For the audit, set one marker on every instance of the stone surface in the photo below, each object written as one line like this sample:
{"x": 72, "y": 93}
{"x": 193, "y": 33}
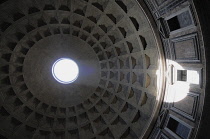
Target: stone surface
{"x": 38, "y": 66}
{"x": 115, "y": 47}
{"x": 120, "y": 91}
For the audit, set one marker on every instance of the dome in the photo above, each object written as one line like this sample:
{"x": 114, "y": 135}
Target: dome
{"x": 125, "y": 64}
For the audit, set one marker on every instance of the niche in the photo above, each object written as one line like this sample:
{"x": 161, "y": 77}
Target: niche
{"x": 180, "y": 20}
{"x": 182, "y": 75}
{"x": 178, "y": 128}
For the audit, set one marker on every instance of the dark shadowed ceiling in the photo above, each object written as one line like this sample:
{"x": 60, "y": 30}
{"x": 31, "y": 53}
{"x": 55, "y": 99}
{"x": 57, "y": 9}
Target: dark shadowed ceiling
{"x": 115, "y": 48}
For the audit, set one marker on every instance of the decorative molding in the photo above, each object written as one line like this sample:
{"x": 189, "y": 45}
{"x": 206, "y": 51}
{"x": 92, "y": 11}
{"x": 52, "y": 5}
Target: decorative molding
{"x": 194, "y": 107}
{"x": 179, "y": 121}
{"x": 160, "y": 2}
{"x": 170, "y": 6}
{"x": 185, "y": 48}
{"x": 186, "y": 10}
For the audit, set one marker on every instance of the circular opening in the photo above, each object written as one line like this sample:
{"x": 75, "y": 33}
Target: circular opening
{"x": 65, "y": 70}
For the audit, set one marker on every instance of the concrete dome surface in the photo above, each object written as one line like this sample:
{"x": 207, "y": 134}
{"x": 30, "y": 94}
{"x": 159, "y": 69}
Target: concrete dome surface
{"x": 140, "y": 69}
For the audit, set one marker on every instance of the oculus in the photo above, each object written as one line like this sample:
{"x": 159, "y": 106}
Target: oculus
{"x": 65, "y": 70}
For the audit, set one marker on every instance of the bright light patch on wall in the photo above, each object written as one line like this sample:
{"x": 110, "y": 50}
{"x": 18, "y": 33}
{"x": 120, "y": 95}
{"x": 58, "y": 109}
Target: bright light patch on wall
{"x": 178, "y": 82}
{"x": 193, "y": 77}
{"x": 177, "y": 92}
{"x": 65, "y": 70}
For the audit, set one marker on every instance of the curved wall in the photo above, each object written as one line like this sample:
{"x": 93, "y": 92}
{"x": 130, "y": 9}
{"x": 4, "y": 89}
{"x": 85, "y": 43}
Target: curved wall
{"x": 182, "y": 38}
{"x": 147, "y": 65}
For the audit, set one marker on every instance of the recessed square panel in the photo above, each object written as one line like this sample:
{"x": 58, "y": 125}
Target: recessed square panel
{"x": 185, "y": 48}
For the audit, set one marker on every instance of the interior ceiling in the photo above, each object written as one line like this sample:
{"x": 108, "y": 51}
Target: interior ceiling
{"x": 116, "y": 93}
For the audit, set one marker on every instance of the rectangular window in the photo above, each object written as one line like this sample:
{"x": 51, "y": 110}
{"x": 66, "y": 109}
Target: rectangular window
{"x": 182, "y": 75}
{"x": 180, "y": 21}
{"x": 178, "y": 128}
